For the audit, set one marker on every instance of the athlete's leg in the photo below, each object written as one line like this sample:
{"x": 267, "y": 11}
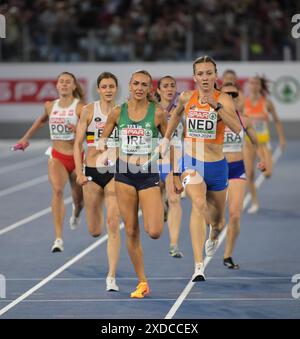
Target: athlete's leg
{"x": 216, "y": 201}
{"x": 266, "y": 156}
{"x": 93, "y": 200}
{"x": 236, "y": 192}
{"x": 249, "y": 161}
{"x": 175, "y": 211}
{"x": 153, "y": 211}
{"x": 113, "y": 228}
{"x": 128, "y": 202}
{"x": 58, "y": 176}
{"x": 196, "y": 191}
{"x": 77, "y": 195}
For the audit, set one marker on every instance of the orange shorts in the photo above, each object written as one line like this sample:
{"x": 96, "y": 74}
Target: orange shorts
{"x": 66, "y": 160}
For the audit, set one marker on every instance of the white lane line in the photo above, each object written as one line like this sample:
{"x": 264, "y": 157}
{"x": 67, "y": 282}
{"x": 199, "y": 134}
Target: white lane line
{"x": 30, "y": 218}
{"x": 190, "y": 285}
{"x": 152, "y": 299}
{"x": 58, "y": 271}
{"x": 23, "y": 164}
{"x": 153, "y": 278}
{"x": 27, "y": 184}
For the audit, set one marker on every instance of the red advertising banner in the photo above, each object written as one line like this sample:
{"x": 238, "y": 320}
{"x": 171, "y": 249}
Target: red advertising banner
{"x": 30, "y": 91}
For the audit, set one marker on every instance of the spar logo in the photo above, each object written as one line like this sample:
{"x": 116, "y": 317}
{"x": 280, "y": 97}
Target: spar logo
{"x": 213, "y": 116}
{"x": 287, "y": 89}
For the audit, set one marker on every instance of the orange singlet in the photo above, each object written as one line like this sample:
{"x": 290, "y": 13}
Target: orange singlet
{"x": 257, "y": 110}
{"x": 202, "y": 122}
{"x": 259, "y": 117}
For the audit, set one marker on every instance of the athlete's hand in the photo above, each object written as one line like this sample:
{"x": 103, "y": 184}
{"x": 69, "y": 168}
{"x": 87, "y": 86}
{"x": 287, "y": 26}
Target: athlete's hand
{"x": 82, "y": 179}
{"x": 178, "y": 187}
{"x": 261, "y": 166}
{"x": 207, "y": 99}
{"x": 102, "y": 159}
{"x": 164, "y": 147}
{"x": 101, "y": 145}
{"x": 71, "y": 127}
{"x": 21, "y": 144}
{"x": 282, "y": 145}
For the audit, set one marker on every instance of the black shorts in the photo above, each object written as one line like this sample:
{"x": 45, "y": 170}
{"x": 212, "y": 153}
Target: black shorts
{"x": 137, "y": 179}
{"x": 101, "y": 179}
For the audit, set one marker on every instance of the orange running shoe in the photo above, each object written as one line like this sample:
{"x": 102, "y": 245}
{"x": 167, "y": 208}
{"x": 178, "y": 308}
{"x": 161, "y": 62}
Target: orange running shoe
{"x": 141, "y": 291}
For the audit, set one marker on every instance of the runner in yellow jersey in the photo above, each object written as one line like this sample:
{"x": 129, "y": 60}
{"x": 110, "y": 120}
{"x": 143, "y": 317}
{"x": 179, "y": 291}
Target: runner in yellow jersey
{"x": 258, "y": 107}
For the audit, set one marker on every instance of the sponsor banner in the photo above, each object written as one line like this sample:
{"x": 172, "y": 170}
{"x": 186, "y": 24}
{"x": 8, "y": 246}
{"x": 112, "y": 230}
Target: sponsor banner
{"x": 30, "y": 90}
{"x": 22, "y": 92}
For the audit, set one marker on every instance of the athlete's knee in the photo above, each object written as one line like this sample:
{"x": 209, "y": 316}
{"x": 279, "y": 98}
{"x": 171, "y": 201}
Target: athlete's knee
{"x": 234, "y": 217}
{"x": 113, "y": 224}
{"x": 95, "y": 233}
{"x": 132, "y": 232}
{"x": 174, "y": 201}
{"x": 58, "y": 192}
{"x": 199, "y": 203}
{"x": 154, "y": 234}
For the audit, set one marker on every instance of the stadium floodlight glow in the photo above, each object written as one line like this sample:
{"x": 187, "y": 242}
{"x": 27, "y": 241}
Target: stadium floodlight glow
{"x": 2, "y": 26}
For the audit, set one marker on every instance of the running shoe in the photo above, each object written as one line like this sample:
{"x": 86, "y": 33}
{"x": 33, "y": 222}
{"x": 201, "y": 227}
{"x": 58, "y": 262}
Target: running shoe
{"x": 74, "y": 221}
{"x": 141, "y": 291}
{"x": 58, "y": 245}
{"x": 211, "y": 245}
{"x": 174, "y": 252}
{"x": 199, "y": 273}
{"x": 253, "y": 209}
{"x": 228, "y": 262}
{"x": 111, "y": 284}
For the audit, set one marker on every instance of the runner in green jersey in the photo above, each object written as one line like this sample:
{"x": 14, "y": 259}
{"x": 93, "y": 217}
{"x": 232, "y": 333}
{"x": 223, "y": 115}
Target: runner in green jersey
{"x": 139, "y": 120}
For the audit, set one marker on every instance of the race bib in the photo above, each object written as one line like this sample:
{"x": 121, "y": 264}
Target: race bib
{"x": 112, "y": 141}
{"x": 136, "y": 140}
{"x": 201, "y": 124}
{"x": 59, "y": 129}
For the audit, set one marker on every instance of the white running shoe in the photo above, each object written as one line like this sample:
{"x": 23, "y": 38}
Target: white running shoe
{"x": 253, "y": 209}
{"x": 74, "y": 221}
{"x": 58, "y": 246}
{"x": 111, "y": 284}
{"x": 199, "y": 273}
{"x": 211, "y": 245}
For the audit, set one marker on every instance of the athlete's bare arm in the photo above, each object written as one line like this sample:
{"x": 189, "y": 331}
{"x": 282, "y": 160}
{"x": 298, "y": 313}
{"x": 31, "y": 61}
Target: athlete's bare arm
{"x": 38, "y": 123}
{"x": 177, "y": 112}
{"x": 228, "y": 113}
{"x": 84, "y": 121}
{"x": 161, "y": 121}
{"x": 111, "y": 122}
{"x": 277, "y": 122}
{"x": 250, "y": 131}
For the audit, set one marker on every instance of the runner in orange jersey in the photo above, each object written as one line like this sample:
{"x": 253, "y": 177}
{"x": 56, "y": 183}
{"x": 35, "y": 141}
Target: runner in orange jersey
{"x": 258, "y": 107}
{"x": 204, "y": 168}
